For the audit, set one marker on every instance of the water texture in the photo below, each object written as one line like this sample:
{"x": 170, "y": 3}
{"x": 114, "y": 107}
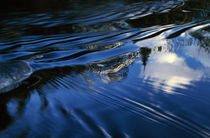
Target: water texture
{"x": 86, "y": 68}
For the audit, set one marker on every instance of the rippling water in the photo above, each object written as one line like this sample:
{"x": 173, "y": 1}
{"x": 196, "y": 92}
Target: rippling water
{"x": 129, "y": 68}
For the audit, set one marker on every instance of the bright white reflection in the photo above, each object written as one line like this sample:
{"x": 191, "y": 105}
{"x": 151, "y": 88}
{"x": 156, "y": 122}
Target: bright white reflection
{"x": 153, "y": 42}
{"x": 197, "y": 28}
{"x": 168, "y": 71}
{"x": 170, "y": 58}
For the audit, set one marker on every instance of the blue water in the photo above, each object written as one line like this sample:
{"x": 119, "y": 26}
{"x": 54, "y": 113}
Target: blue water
{"x": 105, "y": 68}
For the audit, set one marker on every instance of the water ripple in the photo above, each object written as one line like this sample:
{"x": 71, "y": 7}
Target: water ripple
{"x": 106, "y": 69}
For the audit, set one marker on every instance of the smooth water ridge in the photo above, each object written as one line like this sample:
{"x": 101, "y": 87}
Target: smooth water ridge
{"x": 86, "y": 68}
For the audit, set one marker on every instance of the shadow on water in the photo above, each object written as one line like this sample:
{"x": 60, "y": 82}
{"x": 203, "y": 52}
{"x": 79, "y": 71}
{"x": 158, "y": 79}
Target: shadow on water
{"x": 23, "y": 92}
{"x": 114, "y": 68}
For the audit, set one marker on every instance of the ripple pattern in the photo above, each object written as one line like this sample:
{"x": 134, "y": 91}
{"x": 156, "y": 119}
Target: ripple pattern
{"x": 106, "y": 69}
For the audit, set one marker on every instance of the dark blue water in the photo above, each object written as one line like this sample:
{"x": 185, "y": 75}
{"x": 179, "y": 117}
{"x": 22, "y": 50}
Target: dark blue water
{"x": 89, "y": 68}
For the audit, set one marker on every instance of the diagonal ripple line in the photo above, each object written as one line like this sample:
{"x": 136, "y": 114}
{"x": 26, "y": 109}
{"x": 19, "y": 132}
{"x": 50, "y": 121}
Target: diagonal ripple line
{"x": 154, "y": 114}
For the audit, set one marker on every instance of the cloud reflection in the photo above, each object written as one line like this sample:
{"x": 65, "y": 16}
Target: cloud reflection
{"x": 177, "y": 62}
{"x": 169, "y": 71}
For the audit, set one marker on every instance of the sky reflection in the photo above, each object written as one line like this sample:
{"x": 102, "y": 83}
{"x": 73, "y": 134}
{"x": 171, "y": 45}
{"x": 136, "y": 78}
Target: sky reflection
{"x": 168, "y": 71}
{"x": 172, "y": 66}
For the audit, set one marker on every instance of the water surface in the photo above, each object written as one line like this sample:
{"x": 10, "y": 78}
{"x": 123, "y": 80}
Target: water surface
{"x": 106, "y": 68}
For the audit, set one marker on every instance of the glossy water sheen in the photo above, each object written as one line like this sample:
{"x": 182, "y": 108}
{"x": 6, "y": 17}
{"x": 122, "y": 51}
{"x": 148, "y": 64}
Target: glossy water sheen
{"x": 124, "y": 68}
